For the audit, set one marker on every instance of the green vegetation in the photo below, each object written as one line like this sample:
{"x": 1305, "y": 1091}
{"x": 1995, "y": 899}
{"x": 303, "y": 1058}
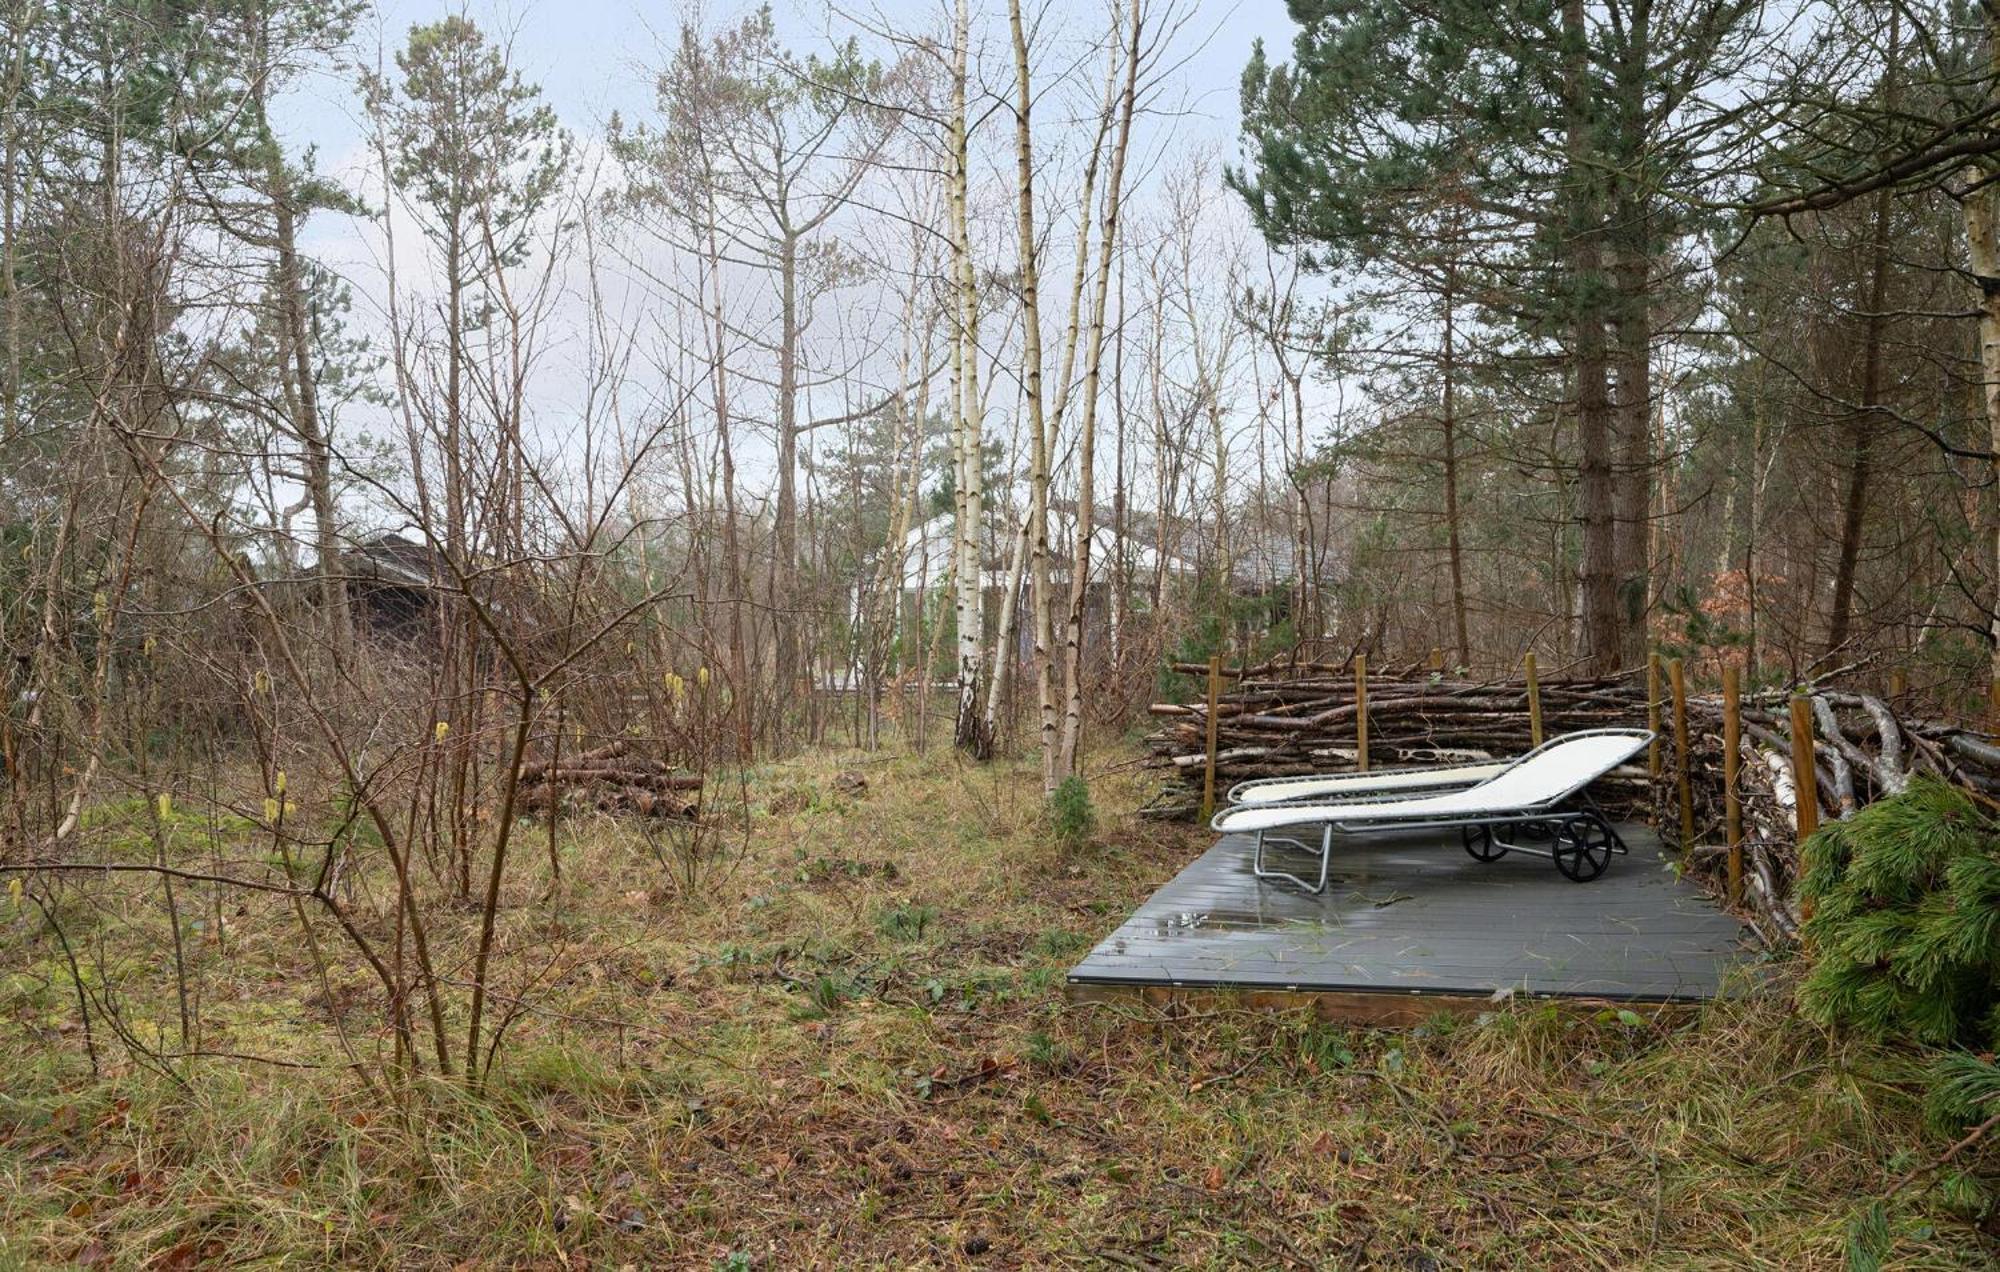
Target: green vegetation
{"x": 1071, "y": 818}
{"x": 1905, "y": 931}
{"x": 1905, "y": 920}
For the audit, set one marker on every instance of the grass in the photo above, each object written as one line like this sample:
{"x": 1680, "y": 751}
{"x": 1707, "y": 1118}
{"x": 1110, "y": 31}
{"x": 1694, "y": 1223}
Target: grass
{"x": 853, "y": 1048}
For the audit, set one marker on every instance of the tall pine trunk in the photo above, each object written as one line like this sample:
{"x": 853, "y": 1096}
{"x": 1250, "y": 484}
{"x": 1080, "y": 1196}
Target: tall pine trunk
{"x": 307, "y": 420}
{"x": 1598, "y": 573}
{"x": 1632, "y": 485}
{"x": 1854, "y": 496}
{"x": 1861, "y": 431}
{"x": 1454, "y": 547}
{"x": 742, "y": 693}
{"x": 785, "y": 511}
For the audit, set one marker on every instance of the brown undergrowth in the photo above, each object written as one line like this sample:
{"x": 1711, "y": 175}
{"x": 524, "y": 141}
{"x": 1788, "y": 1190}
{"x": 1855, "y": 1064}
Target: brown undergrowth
{"x": 851, "y": 1048}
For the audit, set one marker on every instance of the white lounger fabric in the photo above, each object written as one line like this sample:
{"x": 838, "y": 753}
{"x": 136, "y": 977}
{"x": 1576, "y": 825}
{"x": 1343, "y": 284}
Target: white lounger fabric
{"x": 1535, "y": 780}
{"x": 1274, "y": 790}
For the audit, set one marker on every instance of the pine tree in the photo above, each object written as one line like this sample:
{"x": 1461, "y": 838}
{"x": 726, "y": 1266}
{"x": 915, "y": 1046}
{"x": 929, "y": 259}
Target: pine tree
{"x": 1566, "y": 147}
{"x": 1905, "y": 931}
{"x": 1905, "y": 905}
{"x": 480, "y": 156}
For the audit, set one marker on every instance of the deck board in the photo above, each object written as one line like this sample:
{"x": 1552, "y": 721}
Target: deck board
{"x": 1413, "y": 914}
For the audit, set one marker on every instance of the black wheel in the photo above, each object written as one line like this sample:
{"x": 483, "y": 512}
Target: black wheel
{"x": 1582, "y": 848}
{"x": 1479, "y": 841}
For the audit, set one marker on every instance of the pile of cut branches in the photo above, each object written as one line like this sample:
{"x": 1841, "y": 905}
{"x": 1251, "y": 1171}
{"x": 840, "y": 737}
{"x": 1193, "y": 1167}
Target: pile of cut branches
{"x": 1863, "y": 751}
{"x": 613, "y": 778}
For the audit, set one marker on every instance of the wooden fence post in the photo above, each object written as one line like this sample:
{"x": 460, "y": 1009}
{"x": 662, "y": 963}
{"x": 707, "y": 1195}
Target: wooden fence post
{"x": 1361, "y": 712}
{"x": 1534, "y": 701}
{"x": 1653, "y": 715}
{"x": 1732, "y": 802}
{"x": 1677, "y": 677}
{"x": 1805, "y": 775}
{"x": 1208, "y": 773}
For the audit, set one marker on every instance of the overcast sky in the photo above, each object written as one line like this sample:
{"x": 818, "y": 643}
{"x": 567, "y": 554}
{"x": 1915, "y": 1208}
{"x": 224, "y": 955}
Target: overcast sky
{"x": 591, "y": 59}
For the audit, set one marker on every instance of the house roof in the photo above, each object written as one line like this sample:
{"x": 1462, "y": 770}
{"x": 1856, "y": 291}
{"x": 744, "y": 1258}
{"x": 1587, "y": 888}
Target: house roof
{"x": 390, "y": 558}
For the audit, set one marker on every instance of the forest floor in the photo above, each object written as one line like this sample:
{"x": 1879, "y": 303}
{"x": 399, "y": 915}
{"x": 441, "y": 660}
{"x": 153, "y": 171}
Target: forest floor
{"x": 852, "y": 1049}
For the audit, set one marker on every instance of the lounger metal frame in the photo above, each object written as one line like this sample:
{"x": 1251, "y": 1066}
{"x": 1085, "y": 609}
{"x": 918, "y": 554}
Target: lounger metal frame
{"x": 1580, "y": 839}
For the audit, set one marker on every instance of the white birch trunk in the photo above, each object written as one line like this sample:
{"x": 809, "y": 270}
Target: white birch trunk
{"x": 1036, "y": 533}
{"x": 969, "y": 501}
{"x": 1079, "y": 582}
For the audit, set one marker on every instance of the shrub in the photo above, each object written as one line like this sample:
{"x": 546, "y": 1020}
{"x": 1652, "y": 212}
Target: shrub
{"x": 1071, "y": 818}
{"x": 1905, "y": 932}
{"x": 1905, "y": 924}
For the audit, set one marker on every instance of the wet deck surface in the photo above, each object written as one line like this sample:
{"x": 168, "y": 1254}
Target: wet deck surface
{"x": 1414, "y": 913}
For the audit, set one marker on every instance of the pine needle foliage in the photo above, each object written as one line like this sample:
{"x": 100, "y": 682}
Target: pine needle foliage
{"x": 1071, "y": 816}
{"x": 1905, "y": 929}
{"x": 1905, "y": 905}
{"x": 1965, "y": 1089}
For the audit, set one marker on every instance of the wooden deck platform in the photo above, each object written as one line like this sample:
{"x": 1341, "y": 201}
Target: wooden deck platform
{"x": 1410, "y": 924}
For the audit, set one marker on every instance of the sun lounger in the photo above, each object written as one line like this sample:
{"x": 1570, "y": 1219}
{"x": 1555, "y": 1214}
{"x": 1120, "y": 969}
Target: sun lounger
{"x": 1545, "y": 790}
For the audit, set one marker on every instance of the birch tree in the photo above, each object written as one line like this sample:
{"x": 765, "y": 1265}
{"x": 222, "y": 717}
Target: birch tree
{"x": 968, "y": 448}
{"x": 1037, "y": 528}
{"x": 1093, "y": 361}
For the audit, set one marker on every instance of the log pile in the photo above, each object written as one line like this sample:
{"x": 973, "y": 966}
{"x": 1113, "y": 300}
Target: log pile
{"x": 612, "y": 779}
{"x": 1863, "y": 750}
{"x": 1282, "y": 721}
